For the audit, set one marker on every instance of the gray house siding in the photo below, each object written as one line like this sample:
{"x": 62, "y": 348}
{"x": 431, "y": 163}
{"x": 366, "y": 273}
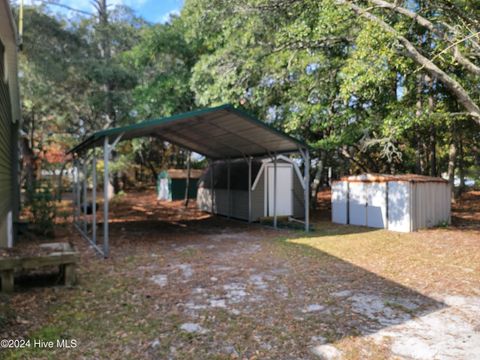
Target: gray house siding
{"x": 6, "y": 155}
{"x": 9, "y": 124}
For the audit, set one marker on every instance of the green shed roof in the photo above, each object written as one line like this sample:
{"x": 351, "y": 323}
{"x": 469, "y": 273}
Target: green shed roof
{"x": 218, "y": 133}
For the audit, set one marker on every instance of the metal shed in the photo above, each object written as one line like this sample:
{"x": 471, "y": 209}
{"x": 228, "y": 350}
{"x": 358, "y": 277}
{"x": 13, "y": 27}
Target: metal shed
{"x": 219, "y": 133}
{"x": 179, "y": 183}
{"x": 9, "y": 125}
{"x": 402, "y": 203}
{"x": 234, "y": 203}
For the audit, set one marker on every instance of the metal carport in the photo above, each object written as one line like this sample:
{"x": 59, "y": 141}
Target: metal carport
{"x": 219, "y": 133}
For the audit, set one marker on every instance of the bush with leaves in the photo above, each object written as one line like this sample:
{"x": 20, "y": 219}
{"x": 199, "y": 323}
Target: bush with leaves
{"x": 42, "y": 209}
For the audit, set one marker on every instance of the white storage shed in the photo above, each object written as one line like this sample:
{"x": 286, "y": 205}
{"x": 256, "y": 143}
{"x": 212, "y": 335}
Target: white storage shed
{"x": 395, "y": 202}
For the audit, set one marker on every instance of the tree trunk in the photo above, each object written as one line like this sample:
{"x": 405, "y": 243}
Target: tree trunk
{"x": 433, "y": 150}
{"x": 59, "y": 192}
{"x": 418, "y": 138}
{"x": 106, "y": 54}
{"x": 476, "y": 154}
{"x": 432, "y": 131}
{"x": 152, "y": 169}
{"x": 452, "y": 161}
{"x": 344, "y": 152}
{"x": 187, "y": 185}
{"x": 28, "y": 166}
{"x": 317, "y": 181}
{"x": 461, "y": 167}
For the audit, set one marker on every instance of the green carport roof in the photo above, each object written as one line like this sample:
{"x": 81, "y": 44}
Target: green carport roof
{"x": 218, "y": 133}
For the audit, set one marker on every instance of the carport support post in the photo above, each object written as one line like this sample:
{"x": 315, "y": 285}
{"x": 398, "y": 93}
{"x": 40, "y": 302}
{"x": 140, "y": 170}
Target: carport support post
{"x": 106, "y": 181}
{"x": 94, "y": 197}
{"x": 275, "y": 190}
{"x": 307, "y": 190}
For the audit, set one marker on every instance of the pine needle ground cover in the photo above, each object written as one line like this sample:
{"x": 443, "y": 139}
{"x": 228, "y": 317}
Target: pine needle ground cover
{"x": 183, "y": 285}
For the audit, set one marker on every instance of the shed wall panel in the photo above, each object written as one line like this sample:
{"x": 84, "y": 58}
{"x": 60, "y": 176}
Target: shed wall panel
{"x": 399, "y": 207}
{"x": 340, "y": 202}
{"x": 284, "y": 189}
{"x": 358, "y": 204}
{"x": 376, "y": 205}
{"x": 298, "y": 197}
{"x": 238, "y": 202}
{"x": 432, "y": 205}
{"x": 258, "y": 198}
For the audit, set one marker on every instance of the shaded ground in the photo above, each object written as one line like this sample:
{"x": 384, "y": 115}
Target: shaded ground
{"x": 195, "y": 287}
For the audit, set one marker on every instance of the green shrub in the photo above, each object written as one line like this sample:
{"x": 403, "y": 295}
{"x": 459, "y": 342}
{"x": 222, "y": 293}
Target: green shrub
{"x": 42, "y": 209}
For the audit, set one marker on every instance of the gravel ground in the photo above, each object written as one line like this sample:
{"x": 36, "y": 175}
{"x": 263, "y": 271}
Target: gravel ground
{"x": 195, "y": 287}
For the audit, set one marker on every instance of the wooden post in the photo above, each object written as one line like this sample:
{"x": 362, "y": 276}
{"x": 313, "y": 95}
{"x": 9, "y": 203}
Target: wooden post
{"x": 68, "y": 271}
{"x": 7, "y": 281}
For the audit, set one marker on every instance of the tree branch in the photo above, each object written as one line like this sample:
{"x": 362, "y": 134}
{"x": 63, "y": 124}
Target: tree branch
{"x": 322, "y": 43}
{"x": 458, "y": 56}
{"x": 47, "y": 2}
{"x": 457, "y": 90}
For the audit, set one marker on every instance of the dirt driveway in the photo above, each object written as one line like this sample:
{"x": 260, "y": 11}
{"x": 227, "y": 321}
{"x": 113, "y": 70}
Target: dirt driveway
{"x": 195, "y": 287}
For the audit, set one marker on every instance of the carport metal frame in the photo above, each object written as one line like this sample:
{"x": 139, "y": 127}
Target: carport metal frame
{"x": 85, "y": 152}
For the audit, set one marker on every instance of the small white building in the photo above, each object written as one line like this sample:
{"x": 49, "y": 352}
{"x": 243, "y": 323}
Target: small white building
{"x": 402, "y": 203}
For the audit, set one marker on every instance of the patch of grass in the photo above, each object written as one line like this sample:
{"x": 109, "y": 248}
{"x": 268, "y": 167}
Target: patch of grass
{"x": 443, "y": 224}
{"x": 189, "y": 253}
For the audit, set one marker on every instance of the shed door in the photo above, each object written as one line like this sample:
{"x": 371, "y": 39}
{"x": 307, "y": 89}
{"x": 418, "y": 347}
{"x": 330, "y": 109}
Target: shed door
{"x": 358, "y": 204}
{"x": 284, "y": 190}
{"x": 376, "y": 205}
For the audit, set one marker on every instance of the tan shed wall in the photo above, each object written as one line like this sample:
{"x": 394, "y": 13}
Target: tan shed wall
{"x": 411, "y": 205}
{"x": 431, "y": 204}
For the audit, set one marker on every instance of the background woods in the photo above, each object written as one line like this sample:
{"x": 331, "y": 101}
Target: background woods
{"x": 370, "y": 85}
